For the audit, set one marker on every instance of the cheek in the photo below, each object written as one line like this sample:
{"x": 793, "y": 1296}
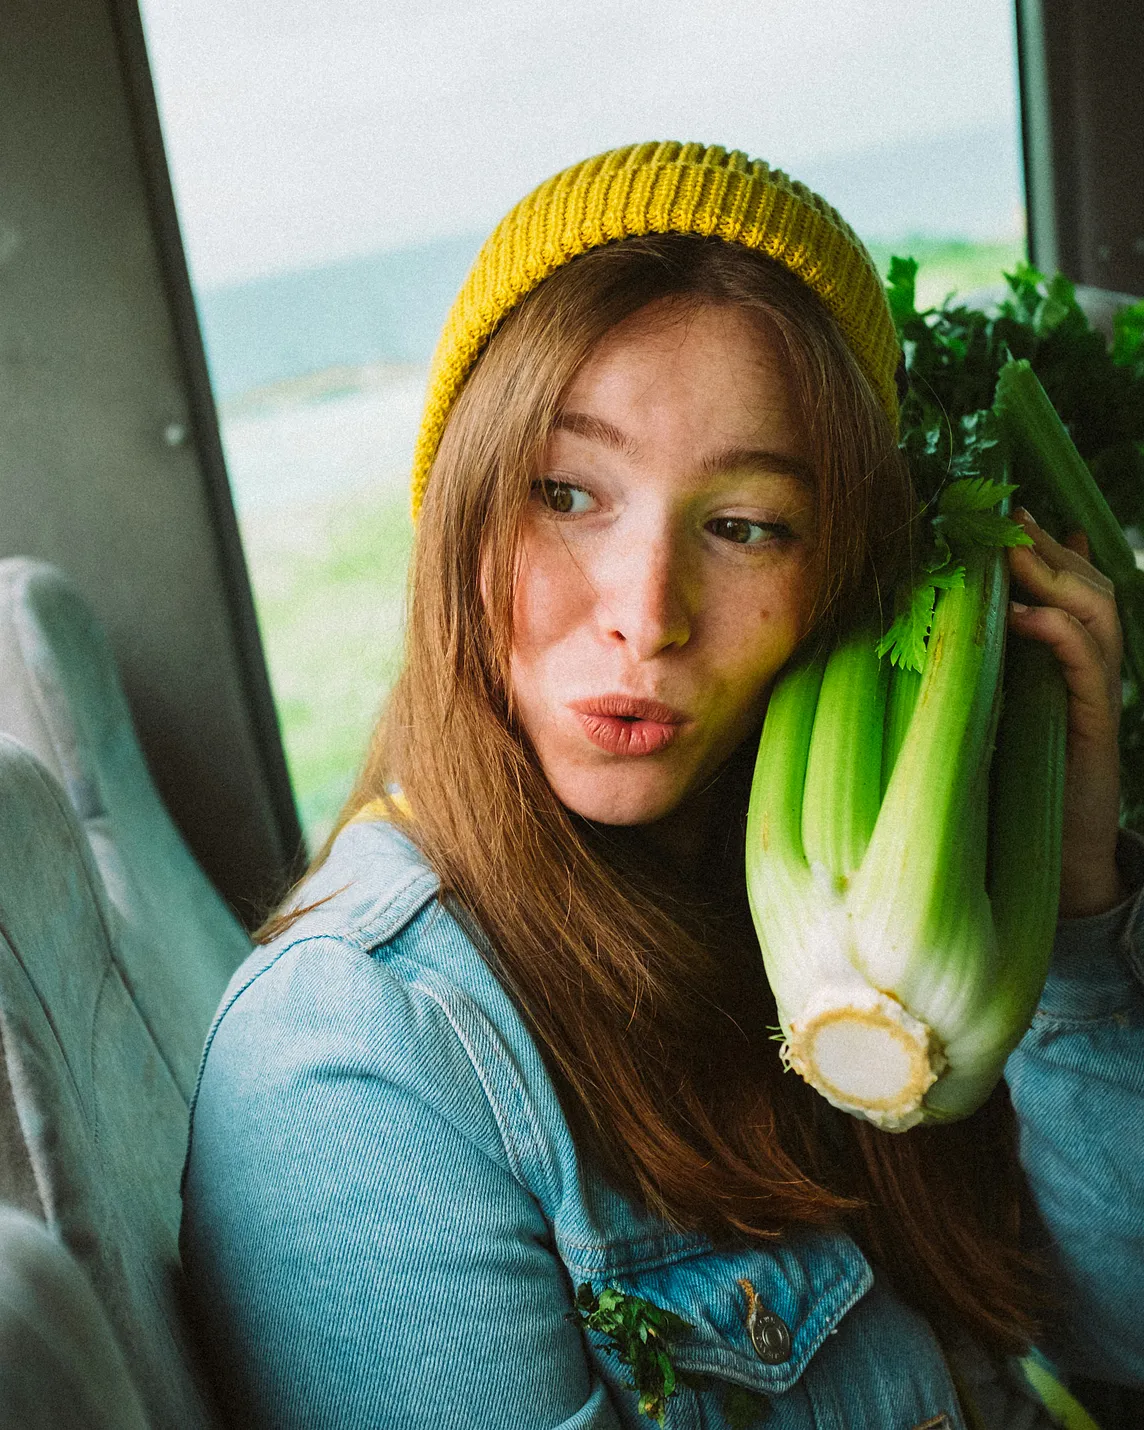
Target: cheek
{"x": 551, "y": 603}
{"x": 757, "y": 635}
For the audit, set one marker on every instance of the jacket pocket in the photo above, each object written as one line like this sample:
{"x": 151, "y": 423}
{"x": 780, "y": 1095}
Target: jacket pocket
{"x": 754, "y": 1315}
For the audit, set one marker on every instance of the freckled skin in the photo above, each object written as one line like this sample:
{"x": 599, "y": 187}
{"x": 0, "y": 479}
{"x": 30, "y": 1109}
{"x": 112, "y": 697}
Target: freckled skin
{"x": 672, "y": 567}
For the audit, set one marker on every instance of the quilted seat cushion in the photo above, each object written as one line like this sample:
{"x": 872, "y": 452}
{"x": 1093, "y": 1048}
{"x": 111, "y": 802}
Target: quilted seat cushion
{"x": 60, "y": 1367}
{"x": 60, "y": 696}
{"x": 93, "y": 1122}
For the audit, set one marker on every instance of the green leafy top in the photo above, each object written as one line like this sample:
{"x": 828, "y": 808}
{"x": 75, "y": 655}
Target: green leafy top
{"x": 966, "y": 508}
{"x": 954, "y": 353}
{"x": 953, "y": 356}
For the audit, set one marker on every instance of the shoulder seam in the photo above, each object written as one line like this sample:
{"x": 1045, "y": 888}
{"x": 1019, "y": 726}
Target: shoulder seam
{"x": 316, "y": 936}
{"x": 216, "y": 1023}
{"x": 383, "y": 919}
{"x": 508, "y": 1141}
{"x": 399, "y": 908}
{"x": 529, "y": 1152}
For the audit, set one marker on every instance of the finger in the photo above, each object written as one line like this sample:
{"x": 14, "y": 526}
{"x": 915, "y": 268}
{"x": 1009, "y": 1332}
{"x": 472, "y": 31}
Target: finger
{"x": 1092, "y": 608}
{"x": 1075, "y": 587}
{"x": 1093, "y": 683}
{"x": 1072, "y": 554}
{"x": 1079, "y": 582}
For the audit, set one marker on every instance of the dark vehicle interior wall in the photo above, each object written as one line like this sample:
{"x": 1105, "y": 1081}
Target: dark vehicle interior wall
{"x": 1083, "y": 134}
{"x": 110, "y": 461}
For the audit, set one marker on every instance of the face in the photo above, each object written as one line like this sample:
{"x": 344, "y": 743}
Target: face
{"x": 663, "y": 577}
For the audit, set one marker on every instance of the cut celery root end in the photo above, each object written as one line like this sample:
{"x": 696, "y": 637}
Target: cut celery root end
{"x": 868, "y": 1056}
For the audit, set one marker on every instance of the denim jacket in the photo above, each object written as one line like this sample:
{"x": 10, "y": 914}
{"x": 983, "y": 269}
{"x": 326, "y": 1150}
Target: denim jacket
{"x": 386, "y": 1217}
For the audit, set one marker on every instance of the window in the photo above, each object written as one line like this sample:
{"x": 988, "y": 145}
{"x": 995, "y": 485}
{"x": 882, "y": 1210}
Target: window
{"x": 337, "y": 163}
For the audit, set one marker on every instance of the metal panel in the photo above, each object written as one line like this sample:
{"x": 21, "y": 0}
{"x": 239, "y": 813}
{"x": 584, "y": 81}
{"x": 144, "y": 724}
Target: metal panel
{"x": 110, "y": 463}
{"x": 1083, "y": 128}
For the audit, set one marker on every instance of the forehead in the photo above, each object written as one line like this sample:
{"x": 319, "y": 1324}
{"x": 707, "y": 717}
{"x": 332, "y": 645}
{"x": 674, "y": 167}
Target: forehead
{"x": 701, "y": 373}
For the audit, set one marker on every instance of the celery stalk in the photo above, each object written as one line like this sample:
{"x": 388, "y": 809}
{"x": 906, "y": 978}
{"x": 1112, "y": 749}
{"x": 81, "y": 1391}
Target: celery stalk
{"x": 843, "y": 787}
{"x": 903, "y": 837}
{"x": 1046, "y": 457}
{"x": 1024, "y": 866}
{"x": 900, "y": 991}
{"x": 901, "y": 700}
{"x": 774, "y": 820}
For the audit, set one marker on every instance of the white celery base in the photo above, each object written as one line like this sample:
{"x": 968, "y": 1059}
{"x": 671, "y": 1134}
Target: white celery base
{"x": 865, "y": 1054}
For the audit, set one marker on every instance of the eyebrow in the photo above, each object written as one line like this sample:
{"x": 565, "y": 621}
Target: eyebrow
{"x": 730, "y": 459}
{"x": 758, "y": 460}
{"x": 596, "y": 429}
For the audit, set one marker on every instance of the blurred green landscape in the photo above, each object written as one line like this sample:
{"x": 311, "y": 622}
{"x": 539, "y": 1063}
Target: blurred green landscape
{"x": 327, "y": 532}
{"x": 329, "y": 584}
{"x": 952, "y": 266}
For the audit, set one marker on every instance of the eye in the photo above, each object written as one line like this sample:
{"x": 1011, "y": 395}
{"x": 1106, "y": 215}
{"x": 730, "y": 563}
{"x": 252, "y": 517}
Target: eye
{"x": 743, "y": 532}
{"x": 564, "y": 498}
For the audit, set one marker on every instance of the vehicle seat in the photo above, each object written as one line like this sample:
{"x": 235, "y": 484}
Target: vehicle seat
{"x": 93, "y": 1124}
{"x": 60, "y": 696}
{"x": 60, "y": 1366}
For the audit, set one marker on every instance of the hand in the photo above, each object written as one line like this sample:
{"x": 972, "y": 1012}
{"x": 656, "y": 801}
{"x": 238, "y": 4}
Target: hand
{"x": 1075, "y": 615}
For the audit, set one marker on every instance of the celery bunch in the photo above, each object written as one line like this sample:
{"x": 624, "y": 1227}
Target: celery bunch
{"x": 903, "y": 840}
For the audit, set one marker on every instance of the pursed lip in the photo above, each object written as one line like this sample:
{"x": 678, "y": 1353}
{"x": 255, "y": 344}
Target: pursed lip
{"x": 628, "y": 724}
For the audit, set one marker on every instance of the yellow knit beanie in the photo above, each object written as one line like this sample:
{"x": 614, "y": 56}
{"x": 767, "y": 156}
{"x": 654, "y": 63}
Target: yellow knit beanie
{"x": 660, "y": 188}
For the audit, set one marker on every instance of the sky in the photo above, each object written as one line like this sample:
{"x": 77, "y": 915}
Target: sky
{"x": 304, "y": 131}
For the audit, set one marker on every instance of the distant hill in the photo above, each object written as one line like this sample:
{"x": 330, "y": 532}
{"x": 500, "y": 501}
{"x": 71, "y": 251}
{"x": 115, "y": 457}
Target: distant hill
{"x": 386, "y": 307}
{"x": 389, "y": 306}
{"x": 966, "y": 185}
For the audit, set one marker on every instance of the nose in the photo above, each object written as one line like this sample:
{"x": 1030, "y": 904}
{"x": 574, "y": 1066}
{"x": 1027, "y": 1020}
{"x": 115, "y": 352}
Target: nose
{"x": 644, "y": 600}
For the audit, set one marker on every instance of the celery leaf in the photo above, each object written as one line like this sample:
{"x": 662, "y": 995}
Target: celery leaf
{"x": 905, "y": 641}
{"x": 968, "y": 515}
{"x": 973, "y": 494}
{"x": 640, "y": 1335}
{"x": 901, "y": 289}
{"x": 1128, "y": 335}
{"x": 983, "y": 528}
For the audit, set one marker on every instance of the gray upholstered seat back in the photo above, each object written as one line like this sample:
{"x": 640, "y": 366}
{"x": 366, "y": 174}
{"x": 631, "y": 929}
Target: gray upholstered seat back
{"x": 60, "y": 1366}
{"x": 92, "y": 1121}
{"x": 60, "y": 696}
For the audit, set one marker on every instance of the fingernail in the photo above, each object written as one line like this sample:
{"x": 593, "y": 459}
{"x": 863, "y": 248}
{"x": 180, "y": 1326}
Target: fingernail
{"x": 1017, "y": 608}
{"x": 1025, "y": 516}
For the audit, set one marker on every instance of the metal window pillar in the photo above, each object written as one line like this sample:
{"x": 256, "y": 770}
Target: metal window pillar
{"x": 1083, "y": 135}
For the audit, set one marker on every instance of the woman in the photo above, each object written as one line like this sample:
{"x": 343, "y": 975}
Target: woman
{"x": 511, "y": 1035}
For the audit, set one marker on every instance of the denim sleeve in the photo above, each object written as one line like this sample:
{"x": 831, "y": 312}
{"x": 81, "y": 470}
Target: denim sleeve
{"x": 359, "y": 1251}
{"x": 1077, "y": 1081}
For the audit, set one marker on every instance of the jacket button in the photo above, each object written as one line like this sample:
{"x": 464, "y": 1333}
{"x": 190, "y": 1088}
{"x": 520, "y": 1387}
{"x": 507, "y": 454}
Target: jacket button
{"x": 769, "y": 1335}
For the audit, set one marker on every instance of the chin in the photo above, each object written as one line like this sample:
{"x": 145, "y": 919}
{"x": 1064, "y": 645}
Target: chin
{"x": 618, "y": 801}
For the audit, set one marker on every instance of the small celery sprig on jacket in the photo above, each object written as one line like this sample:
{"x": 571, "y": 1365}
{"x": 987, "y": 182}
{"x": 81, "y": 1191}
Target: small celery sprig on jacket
{"x": 640, "y": 1334}
{"x": 904, "y": 911}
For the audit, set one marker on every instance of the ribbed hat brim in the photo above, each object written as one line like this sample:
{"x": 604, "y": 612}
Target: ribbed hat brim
{"x": 661, "y": 188}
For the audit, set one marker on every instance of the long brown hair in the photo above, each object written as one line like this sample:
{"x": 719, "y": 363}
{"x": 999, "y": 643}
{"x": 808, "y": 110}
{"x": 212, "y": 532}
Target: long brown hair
{"x": 646, "y": 994}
